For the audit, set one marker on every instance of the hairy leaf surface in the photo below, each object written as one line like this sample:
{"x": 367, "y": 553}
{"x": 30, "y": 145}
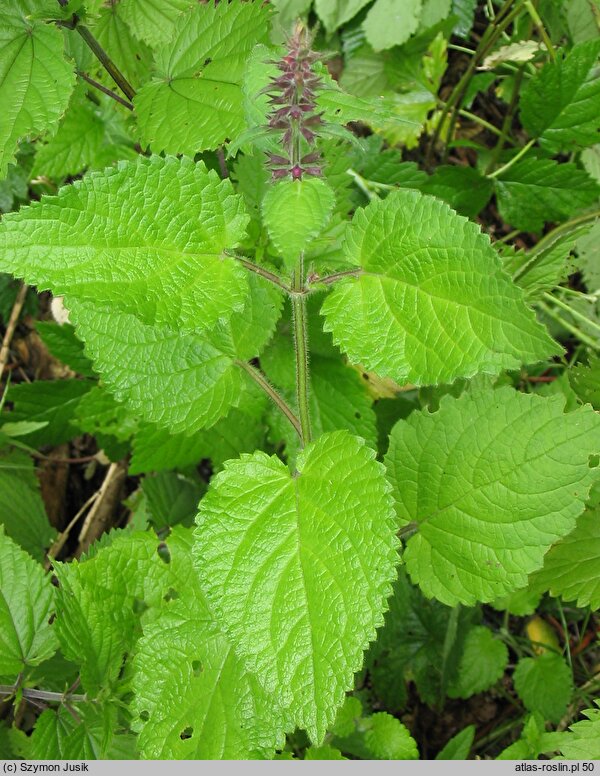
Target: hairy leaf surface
{"x": 123, "y": 238}
{"x": 474, "y": 479}
{"x": 431, "y": 302}
{"x": 298, "y": 568}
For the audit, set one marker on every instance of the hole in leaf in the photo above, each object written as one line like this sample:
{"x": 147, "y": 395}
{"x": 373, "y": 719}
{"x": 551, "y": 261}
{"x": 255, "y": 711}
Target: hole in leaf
{"x": 197, "y": 667}
{"x": 139, "y": 606}
{"x": 145, "y": 715}
{"x": 357, "y": 415}
{"x": 52, "y": 618}
{"x": 54, "y": 580}
{"x": 171, "y": 595}
{"x": 186, "y": 733}
{"x": 163, "y": 552}
{"x": 207, "y": 62}
{"x": 594, "y": 461}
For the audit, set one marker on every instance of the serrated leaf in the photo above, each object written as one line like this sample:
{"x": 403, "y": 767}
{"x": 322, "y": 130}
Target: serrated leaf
{"x": 83, "y": 735}
{"x": 53, "y": 402}
{"x": 62, "y": 342}
{"x": 474, "y": 477}
{"x": 194, "y": 101}
{"x": 22, "y": 511}
{"x": 561, "y": 104}
{"x": 544, "y": 684}
{"x": 35, "y": 79}
{"x": 26, "y": 604}
{"x": 122, "y": 238}
{"x": 482, "y": 663}
{"x": 143, "y": 364}
{"x": 295, "y": 212}
{"x": 408, "y": 317}
{"x": 172, "y": 498}
{"x": 583, "y": 740}
{"x": 75, "y": 145}
{"x": 154, "y": 23}
{"x": 388, "y": 739}
{"x": 572, "y": 567}
{"x": 132, "y": 57}
{"x": 298, "y": 568}
{"x": 585, "y": 381}
{"x": 240, "y": 431}
{"x": 535, "y": 191}
{"x": 463, "y": 188}
{"x": 391, "y": 22}
{"x": 193, "y": 697}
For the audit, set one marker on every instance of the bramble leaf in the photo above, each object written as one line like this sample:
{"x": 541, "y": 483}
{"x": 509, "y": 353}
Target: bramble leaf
{"x": 561, "y": 104}
{"x": 194, "y": 101}
{"x": 122, "y": 238}
{"x": 35, "y": 79}
{"x": 26, "y": 604}
{"x": 535, "y": 191}
{"x": 431, "y": 302}
{"x": 474, "y": 477}
{"x": 298, "y": 568}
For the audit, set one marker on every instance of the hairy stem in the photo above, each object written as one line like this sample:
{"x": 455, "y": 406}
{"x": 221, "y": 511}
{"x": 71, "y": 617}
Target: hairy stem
{"x": 105, "y": 90}
{"x": 330, "y": 279}
{"x": 102, "y": 56}
{"x": 258, "y": 270}
{"x": 275, "y": 397}
{"x": 41, "y": 695}
{"x": 301, "y": 349}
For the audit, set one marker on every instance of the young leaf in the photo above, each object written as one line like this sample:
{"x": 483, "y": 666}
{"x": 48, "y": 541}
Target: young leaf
{"x": 459, "y": 746}
{"x": 122, "y": 238}
{"x": 431, "y": 302}
{"x": 388, "y": 739}
{"x": 295, "y": 212}
{"x": 35, "y": 79}
{"x": 544, "y": 684}
{"x": 482, "y": 663}
{"x": 194, "y": 102}
{"x": 561, "y": 104}
{"x": 473, "y": 478}
{"x": 583, "y": 740}
{"x": 298, "y": 568}
{"x": 26, "y": 604}
{"x": 22, "y": 511}
{"x": 535, "y": 191}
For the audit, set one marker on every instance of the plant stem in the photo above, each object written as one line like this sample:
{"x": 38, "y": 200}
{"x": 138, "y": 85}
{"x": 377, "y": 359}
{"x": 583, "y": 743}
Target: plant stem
{"x": 575, "y": 313}
{"x": 41, "y": 695}
{"x": 102, "y": 56}
{"x": 566, "y": 227}
{"x": 512, "y": 161}
{"x": 275, "y": 397}
{"x": 363, "y": 184}
{"x": 531, "y": 10}
{"x": 569, "y": 326}
{"x": 105, "y": 90}
{"x": 11, "y": 326}
{"x": 301, "y": 349}
{"x": 256, "y": 268}
{"x": 346, "y": 273}
{"x": 507, "y": 122}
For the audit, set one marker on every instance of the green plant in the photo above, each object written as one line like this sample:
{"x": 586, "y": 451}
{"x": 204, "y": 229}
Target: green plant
{"x": 217, "y": 307}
